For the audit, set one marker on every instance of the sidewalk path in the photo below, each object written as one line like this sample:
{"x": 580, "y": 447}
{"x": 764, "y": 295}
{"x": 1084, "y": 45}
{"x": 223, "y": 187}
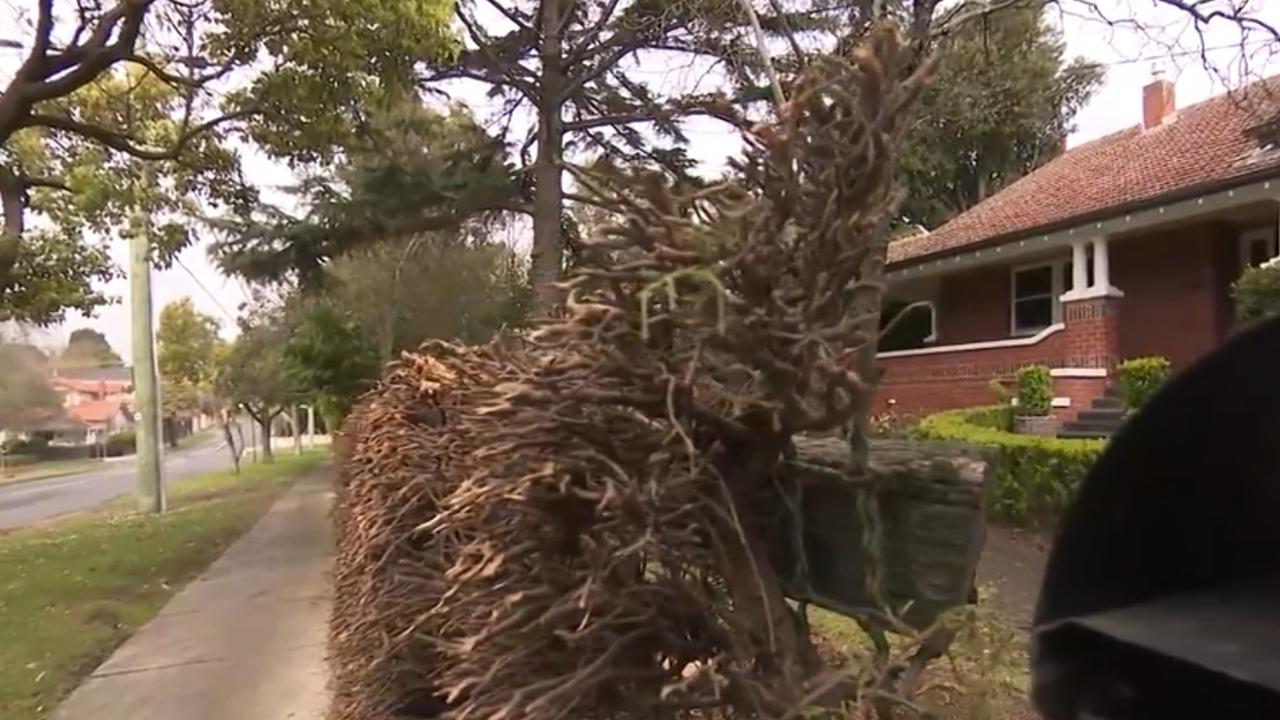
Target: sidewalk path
{"x": 1013, "y": 561}
{"x": 245, "y": 641}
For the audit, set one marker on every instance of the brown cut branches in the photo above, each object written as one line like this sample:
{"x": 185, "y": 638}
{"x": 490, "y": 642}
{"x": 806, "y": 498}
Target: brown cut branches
{"x": 578, "y": 528}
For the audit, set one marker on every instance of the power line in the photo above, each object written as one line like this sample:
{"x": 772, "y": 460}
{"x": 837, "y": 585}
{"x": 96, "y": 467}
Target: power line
{"x": 211, "y": 296}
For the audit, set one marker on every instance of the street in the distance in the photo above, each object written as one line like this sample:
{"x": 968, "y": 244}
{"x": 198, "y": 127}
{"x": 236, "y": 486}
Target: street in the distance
{"x": 24, "y": 503}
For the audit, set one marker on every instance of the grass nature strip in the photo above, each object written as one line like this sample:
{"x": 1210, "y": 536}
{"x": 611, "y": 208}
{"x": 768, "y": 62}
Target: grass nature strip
{"x": 73, "y": 590}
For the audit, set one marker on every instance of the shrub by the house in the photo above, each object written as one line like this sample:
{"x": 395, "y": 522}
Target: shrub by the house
{"x": 1257, "y": 292}
{"x": 1031, "y": 479}
{"x": 121, "y": 443}
{"x": 1035, "y": 390}
{"x": 1140, "y": 378}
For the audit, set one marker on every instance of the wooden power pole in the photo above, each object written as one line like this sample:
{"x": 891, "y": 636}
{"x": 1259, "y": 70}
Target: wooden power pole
{"x": 146, "y": 385}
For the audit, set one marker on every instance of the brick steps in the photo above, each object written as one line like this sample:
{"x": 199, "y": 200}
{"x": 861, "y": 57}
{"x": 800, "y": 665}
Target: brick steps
{"x": 1103, "y": 418}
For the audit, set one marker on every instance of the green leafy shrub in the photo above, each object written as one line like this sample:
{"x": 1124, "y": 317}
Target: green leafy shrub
{"x": 1031, "y": 480}
{"x": 1140, "y": 378}
{"x": 124, "y": 442}
{"x": 29, "y": 446}
{"x": 1035, "y": 390}
{"x": 1257, "y": 292}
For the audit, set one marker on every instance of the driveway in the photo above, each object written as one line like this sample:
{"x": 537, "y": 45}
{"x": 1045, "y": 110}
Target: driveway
{"x": 28, "y": 502}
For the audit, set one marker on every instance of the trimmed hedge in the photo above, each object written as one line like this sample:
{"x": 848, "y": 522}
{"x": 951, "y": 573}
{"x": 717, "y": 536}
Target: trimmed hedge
{"x": 1140, "y": 378}
{"x": 1031, "y": 479}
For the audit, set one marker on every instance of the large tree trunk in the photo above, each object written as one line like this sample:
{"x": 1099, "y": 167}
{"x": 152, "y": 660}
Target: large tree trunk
{"x": 264, "y": 428}
{"x": 296, "y": 421}
{"x": 547, "y": 255}
{"x": 11, "y": 233}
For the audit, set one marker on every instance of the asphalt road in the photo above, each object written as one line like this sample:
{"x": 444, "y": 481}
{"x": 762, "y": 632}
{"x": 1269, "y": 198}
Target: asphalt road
{"x": 28, "y": 502}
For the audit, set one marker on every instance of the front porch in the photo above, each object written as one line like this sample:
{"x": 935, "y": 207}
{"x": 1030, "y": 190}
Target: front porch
{"x": 1078, "y": 300}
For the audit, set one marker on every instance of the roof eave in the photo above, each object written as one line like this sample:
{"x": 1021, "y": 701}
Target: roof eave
{"x": 1179, "y": 195}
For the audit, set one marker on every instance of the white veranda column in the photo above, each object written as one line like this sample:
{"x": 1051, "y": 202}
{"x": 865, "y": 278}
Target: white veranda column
{"x": 1101, "y": 264}
{"x": 1079, "y": 267}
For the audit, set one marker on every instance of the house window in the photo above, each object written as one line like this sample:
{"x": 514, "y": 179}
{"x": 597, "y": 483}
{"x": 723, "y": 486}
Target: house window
{"x": 1258, "y": 246}
{"x": 1036, "y": 289}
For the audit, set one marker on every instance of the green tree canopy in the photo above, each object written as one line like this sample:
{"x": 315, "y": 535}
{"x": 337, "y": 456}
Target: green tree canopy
{"x": 187, "y": 346}
{"x": 432, "y": 286}
{"x": 1000, "y": 106}
{"x": 328, "y": 359}
{"x": 126, "y": 106}
{"x": 414, "y": 169}
{"x": 252, "y": 373}
{"x": 88, "y": 348}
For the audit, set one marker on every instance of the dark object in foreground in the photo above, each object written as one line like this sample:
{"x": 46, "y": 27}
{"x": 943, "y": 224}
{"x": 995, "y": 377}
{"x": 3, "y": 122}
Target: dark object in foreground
{"x": 1162, "y": 594}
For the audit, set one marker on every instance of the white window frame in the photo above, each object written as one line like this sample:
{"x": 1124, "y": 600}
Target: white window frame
{"x": 1250, "y": 236}
{"x": 1058, "y": 269}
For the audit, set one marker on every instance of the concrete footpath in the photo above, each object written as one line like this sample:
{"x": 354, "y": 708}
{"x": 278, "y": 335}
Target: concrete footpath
{"x": 245, "y": 641}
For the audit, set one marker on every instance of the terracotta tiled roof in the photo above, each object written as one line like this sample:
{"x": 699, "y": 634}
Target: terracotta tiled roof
{"x": 96, "y": 412}
{"x": 1210, "y": 145}
{"x": 91, "y": 386}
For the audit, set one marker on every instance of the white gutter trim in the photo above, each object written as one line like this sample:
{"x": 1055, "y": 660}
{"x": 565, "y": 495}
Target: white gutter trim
{"x": 1078, "y": 372}
{"x": 966, "y": 347}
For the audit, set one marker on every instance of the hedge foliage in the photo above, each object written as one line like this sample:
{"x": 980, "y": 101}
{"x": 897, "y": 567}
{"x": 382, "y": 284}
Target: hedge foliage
{"x": 1257, "y": 292}
{"x": 120, "y": 443}
{"x": 1031, "y": 479}
{"x": 1140, "y": 378}
{"x": 1035, "y": 390}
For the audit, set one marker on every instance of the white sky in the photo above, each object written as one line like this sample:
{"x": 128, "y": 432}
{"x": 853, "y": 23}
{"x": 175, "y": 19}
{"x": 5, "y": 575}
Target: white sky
{"x": 1130, "y": 58}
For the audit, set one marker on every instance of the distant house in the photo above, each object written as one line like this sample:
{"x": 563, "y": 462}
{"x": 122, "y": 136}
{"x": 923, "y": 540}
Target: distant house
{"x": 80, "y": 389}
{"x": 100, "y": 418}
{"x": 1122, "y": 247}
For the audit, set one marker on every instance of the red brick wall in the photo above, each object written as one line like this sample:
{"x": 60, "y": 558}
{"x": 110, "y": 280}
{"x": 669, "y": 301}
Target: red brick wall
{"x": 1082, "y": 392}
{"x": 1091, "y": 336}
{"x": 973, "y": 306}
{"x": 1175, "y": 285}
{"x": 921, "y": 384}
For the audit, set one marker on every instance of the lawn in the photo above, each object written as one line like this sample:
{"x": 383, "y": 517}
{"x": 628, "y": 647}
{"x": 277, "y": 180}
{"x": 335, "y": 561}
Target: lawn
{"x": 983, "y": 677}
{"x": 72, "y": 591}
{"x": 49, "y": 469}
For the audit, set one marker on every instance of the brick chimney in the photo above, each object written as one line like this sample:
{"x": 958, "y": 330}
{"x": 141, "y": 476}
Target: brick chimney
{"x": 1158, "y": 104}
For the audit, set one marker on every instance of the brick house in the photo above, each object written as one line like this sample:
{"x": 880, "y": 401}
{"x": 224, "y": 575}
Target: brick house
{"x": 1125, "y": 246}
{"x": 100, "y": 418}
